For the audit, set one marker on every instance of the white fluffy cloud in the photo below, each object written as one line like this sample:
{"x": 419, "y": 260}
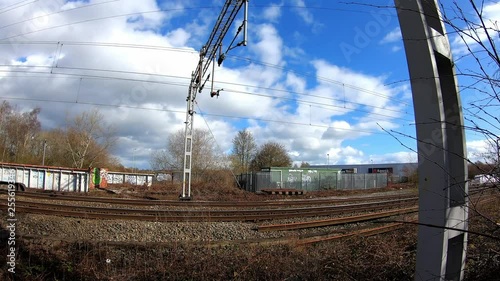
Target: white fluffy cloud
{"x": 491, "y": 17}
{"x": 136, "y": 70}
{"x": 393, "y": 36}
{"x": 272, "y": 13}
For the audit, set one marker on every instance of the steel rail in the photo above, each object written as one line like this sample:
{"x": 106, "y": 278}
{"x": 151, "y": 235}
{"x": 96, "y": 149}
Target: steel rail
{"x": 195, "y": 215}
{"x": 384, "y": 204}
{"x": 167, "y": 216}
{"x": 143, "y": 202}
{"x": 335, "y": 221}
{"x": 362, "y": 232}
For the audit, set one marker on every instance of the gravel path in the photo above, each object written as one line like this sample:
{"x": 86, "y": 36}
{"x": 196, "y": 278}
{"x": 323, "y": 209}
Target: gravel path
{"x": 75, "y": 229}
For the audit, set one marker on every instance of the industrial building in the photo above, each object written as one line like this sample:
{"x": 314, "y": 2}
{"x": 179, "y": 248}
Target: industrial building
{"x": 310, "y": 179}
{"x": 398, "y": 171}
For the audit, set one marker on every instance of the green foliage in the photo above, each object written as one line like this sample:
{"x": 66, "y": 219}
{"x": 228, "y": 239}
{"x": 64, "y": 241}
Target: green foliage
{"x": 271, "y": 154}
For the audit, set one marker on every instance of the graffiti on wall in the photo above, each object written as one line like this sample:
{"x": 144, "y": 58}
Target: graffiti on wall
{"x": 99, "y": 177}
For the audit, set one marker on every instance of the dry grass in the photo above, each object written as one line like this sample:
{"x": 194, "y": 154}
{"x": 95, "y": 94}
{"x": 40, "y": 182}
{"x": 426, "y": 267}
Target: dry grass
{"x": 385, "y": 257}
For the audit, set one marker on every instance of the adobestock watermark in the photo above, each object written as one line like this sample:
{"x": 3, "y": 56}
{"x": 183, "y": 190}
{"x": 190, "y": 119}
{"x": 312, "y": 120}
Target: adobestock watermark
{"x": 11, "y": 221}
{"x": 381, "y": 17}
{"x": 140, "y": 92}
{"x": 38, "y": 15}
{"x": 31, "y": 18}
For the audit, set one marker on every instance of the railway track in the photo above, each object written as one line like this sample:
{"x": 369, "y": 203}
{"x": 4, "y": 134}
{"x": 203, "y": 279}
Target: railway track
{"x": 222, "y": 204}
{"x": 336, "y": 221}
{"x": 299, "y": 234}
{"x": 170, "y": 215}
{"x": 362, "y": 232}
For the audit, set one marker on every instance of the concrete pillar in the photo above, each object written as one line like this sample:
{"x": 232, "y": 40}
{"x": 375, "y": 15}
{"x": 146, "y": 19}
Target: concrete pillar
{"x": 442, "y": 167}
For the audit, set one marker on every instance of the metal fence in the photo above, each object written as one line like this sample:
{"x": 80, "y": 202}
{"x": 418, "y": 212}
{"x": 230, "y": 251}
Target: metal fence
{"x": 254, "y": 182}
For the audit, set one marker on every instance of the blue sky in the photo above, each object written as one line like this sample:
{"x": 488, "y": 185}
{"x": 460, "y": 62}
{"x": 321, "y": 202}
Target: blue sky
{"x": 319, "y": 77}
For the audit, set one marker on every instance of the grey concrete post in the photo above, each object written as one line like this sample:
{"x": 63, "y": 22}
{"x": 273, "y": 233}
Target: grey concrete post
{"x": 442, "y": 167}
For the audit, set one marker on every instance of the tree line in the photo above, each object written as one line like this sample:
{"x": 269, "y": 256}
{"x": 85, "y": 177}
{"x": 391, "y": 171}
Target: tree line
{"x": 87, "y": 141}
{"x": 246, "y": 156}
{"x": 84, "y": 141}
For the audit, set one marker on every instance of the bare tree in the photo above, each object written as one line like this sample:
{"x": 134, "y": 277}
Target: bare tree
{"x": 88, "y": 139}
{"x": 476, "y": 43}
{"x": 244, "y": 148}
{"x": 56, "y": 152}
{"x": 305, "y": 165}
{"x": 204, "y": 154}
{"x": 18, "y": 132}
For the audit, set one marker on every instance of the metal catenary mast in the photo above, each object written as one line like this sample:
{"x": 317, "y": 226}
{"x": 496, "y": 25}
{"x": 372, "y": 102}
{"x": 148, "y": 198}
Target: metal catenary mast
{"x": 207, "y": 54}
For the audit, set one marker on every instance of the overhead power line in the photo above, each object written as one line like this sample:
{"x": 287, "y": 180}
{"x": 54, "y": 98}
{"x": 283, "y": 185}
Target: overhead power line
{"x": 54, "y": 13}
{"x": 345, "y": 107}
{"x": 15, "y": 6}
{"x": 104, "y": 44}
{"x": 101, "y": 18}
{"x": 183, "y": 112}
{"x": 329, "y": 80}
{"x": 100, "y": 44}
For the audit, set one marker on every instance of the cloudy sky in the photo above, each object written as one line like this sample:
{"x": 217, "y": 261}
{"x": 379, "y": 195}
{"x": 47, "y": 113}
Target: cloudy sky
{"x": 322, "y": 78}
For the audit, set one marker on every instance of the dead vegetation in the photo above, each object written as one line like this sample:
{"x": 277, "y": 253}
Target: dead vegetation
{"x": 386, "y": 257}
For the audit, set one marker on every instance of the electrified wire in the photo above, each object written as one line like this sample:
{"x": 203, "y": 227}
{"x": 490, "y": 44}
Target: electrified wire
{"x": 340, "y": 83}
{"x": 217, "y": 143}
{"x": 100, "y": 44}
{"x": 308, "y": 95}
{"x": 220, "y": 82}
{"x": 183, "y": 112}
{"x": 224, "y": 82}
{"x": 316, "y": 104}
{"x": 92, "y": 103}
{"x": 6, "y": 9}
{"x": 101, "y": 18}
{"x": 311, "y": 8}
{"x": 59, "y": 12}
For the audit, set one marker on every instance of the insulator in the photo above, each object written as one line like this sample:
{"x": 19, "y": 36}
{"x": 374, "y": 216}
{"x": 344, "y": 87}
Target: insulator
{"x": 221, "y": 59}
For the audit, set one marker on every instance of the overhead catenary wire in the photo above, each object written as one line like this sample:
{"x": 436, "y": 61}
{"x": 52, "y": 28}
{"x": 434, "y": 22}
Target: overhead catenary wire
{"x": 147, "y": 12}
{"x": 216, "y": 143}
{"x": 101, "y": 44}
{"x": 225, "y": 82}
{"x": 219, "y": 82}
{"x": 101, "y": 18}
{"x": 184, "y": 112}
{"x": 206, "y": 114}
{"x": 55, "y": 13}
{"x": 17, "y": 5}
{"x": 166, "y": 10}
{"x": 313, "y": 96}
{"x": 250, "y": 86}
{"x": 340, "y": 83}
{"x": 316, "y": 104}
